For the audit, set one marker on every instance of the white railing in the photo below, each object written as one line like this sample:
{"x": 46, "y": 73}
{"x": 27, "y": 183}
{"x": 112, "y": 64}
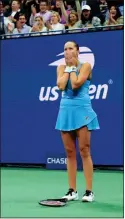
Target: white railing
{"x": 76, "y": 30}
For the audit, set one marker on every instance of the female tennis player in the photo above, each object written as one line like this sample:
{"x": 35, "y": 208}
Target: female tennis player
{"x": 76, "y": 118}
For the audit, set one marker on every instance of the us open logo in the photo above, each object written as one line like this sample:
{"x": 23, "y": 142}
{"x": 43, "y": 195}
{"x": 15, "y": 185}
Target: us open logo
{"x": 86, "y": 55}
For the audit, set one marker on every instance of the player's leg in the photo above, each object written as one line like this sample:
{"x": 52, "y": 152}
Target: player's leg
{"x": 83, "y": 136}
{"x": 69, "y": 140}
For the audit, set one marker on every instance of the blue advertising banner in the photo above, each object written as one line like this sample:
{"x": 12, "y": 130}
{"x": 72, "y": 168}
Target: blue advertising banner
{"x": 30, "y": 97}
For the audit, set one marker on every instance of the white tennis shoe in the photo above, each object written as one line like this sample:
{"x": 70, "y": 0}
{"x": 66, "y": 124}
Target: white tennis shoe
{"x": 71, "y": 195}
{"x": 88, "y": 196}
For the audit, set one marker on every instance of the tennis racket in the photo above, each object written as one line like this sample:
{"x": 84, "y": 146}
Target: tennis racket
{"x": 53, "y": 202}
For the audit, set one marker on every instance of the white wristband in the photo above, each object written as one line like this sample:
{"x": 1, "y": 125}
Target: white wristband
{"x": 73, "y": 69}
{"x": 67, "y": 69}
{"x": 70, "y": 69}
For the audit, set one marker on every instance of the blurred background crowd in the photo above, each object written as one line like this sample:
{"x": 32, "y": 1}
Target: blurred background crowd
{"x": 48, "y": 16}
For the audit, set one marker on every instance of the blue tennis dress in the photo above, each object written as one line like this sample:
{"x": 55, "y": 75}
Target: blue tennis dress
{"x": 75, "y": 109}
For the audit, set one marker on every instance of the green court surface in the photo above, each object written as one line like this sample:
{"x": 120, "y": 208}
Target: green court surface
{"x": 22, "y": 189}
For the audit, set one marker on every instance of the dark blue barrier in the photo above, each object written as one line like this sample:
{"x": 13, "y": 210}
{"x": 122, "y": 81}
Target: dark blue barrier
{"x": 30, "y": 98}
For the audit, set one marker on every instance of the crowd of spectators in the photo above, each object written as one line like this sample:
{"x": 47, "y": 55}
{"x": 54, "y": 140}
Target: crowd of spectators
{"x": 46, "y": 17}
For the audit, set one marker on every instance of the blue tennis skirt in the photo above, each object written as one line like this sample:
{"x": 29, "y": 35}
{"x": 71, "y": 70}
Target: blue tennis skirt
{"x": 73, "y": 114}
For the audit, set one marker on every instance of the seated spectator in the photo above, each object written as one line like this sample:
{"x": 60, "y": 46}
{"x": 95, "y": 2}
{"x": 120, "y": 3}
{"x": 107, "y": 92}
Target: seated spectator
{"x": 72, "y": 19}
{"x": 87, "y": 19}
{"x": 57, "y": 8}
{"x": 26, "y": 8}
{"x": 39, "y": 26}
{"x": 8, "y": 26}
{"x": 22, "y": 27}
{"x": 103, "y": 5}
{"x": 44, "y": 13}
{"x": 55, "y": 24}
{"x": 115, "y": 17}
{"x": 33, "y": 15}
{"x": 14, "y": 12}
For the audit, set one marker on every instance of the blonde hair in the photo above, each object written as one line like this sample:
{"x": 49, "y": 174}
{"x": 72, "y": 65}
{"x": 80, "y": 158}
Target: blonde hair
{"x": 57, "y": 14}
{"x": 39, "y": 17}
